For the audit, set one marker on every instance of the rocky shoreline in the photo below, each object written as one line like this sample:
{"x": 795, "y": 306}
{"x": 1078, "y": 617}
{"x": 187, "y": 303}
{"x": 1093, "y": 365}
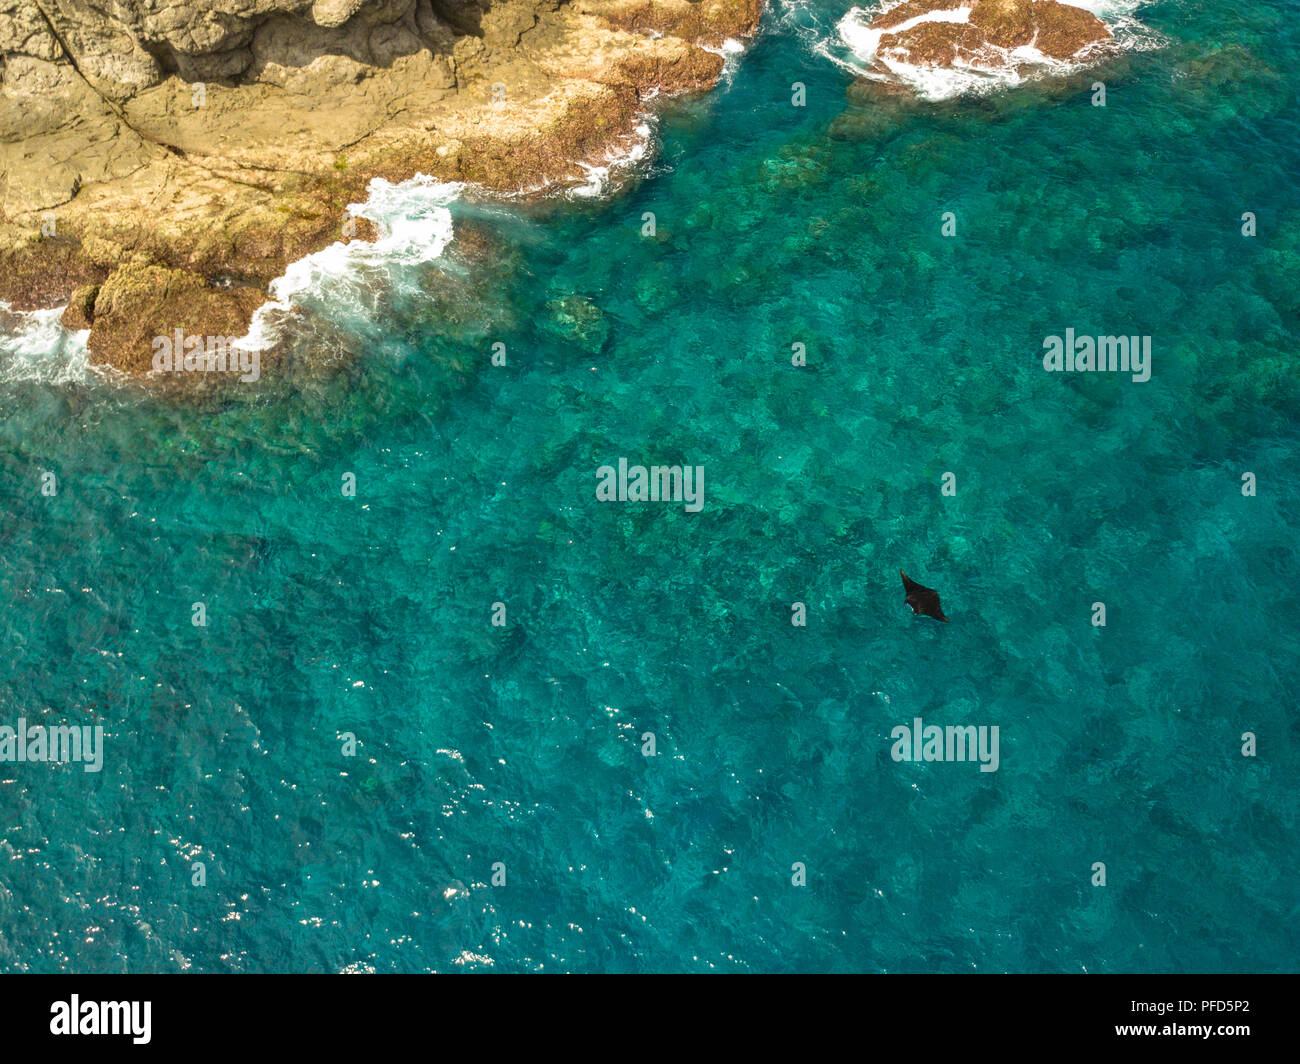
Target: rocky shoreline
{"x": 160, "y": 168}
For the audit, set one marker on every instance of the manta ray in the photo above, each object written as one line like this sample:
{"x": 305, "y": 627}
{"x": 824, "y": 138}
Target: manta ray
{"x": 922, "y": 599}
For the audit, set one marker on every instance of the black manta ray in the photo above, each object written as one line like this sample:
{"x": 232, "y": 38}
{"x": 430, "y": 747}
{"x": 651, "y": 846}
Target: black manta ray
{"x": 922, "y": 599}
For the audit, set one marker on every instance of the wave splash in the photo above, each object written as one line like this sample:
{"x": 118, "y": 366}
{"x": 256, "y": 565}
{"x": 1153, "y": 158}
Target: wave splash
{"x": 623, "y": 159}
{"x": 349, "y": 279}
{"x": 731, "y": 51}
{"x": 34, "y": 346}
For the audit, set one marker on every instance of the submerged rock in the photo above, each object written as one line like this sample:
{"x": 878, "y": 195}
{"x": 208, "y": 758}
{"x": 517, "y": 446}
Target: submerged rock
{"x": 1231, "y": 82}
{"x": 579, "y": 322}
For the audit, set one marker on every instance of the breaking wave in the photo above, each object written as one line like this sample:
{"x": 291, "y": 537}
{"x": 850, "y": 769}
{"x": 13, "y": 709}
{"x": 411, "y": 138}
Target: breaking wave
{"x": 34, "y": 346}
{"x": 623, "y": 159}
{"x": 414, "y": 224}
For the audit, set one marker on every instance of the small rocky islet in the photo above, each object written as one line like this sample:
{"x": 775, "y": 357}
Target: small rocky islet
{"x": 978, "y": 34}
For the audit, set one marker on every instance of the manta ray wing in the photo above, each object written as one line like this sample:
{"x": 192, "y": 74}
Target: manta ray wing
{"x": 922, "y": 599}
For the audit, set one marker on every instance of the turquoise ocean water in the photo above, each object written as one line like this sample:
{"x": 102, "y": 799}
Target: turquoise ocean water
{"x": 521, "y": 744}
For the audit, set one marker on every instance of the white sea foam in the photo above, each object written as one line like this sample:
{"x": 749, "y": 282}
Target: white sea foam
{"x": 623, "y": 158}
{"x": 34, "y": 346}
{"x": 414, "y": 226}
{"x": 1121, "y": 19}
{"x": 731, "y": 50}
